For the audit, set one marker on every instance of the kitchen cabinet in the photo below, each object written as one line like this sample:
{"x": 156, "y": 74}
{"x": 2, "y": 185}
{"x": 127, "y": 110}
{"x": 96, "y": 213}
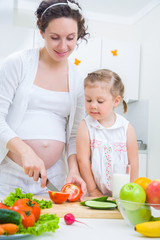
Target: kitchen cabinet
{"x": 121, "y": 57}
{"x": 142, "y": 164}
{"x": 87, "y": 56}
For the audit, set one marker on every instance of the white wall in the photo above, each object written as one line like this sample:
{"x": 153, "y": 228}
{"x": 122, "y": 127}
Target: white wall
{"x": 147, "y": 33}
{"x": 16, "y": 29}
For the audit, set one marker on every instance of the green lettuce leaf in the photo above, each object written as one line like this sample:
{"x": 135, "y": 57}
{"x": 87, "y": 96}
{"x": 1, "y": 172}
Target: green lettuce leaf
{"x": 46, "y": 223}
{"x": 43, "y": 203}
{"x": 14, "y": 196}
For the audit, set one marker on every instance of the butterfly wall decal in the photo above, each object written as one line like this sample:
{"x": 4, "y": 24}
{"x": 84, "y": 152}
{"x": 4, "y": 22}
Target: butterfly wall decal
{"x": 114, "y": 52}
{"x": 77, "y": 62}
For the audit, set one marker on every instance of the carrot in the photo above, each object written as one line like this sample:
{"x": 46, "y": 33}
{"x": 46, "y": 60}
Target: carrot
{"x": 10, "y": 228}
{"x": 1, "y": 231}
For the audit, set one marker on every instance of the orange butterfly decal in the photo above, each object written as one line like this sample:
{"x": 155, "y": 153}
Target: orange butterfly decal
{"x": 77, "y": 62}
{"x": 114, "y": 52}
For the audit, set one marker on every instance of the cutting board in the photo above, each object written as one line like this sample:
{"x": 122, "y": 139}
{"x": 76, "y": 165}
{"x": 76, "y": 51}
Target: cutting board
{"x": 80, "y": 211}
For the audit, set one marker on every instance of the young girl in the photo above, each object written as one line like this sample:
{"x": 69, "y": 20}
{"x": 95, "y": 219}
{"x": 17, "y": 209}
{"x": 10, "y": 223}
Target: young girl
{"x": 104, "y": 137}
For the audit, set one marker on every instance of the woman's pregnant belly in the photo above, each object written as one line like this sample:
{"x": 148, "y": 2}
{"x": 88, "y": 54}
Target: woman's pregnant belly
{"x": 48, "y": 150}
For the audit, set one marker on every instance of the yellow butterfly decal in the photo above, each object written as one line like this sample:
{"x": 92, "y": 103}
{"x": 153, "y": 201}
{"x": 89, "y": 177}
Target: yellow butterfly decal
{"x": 77, "y": 62}
{"x": 114, "y": 52}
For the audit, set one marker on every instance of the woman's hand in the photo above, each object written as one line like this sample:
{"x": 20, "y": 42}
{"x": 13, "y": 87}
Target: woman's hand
{"x": 76, "y": 179}
{"x": 28, "y": 159}
{"x": 34, "y": 166}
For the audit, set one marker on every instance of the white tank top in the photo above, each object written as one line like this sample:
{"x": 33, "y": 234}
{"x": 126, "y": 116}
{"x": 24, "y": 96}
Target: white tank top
{"x": 108, "y": 146}
{"x": 46, "y": 115}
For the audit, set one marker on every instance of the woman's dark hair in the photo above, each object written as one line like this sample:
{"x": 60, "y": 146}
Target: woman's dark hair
{"x": 58, "y": 12}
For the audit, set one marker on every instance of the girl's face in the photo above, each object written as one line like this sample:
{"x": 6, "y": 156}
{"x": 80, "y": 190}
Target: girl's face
{"x": 99, "y": 102}
{"x": 60, "y": 38}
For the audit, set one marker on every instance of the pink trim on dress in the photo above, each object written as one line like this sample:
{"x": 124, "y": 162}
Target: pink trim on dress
{"x": 96, "y": 144}
{"x": 120, "y": 147}
{"x": 107, "y": 152}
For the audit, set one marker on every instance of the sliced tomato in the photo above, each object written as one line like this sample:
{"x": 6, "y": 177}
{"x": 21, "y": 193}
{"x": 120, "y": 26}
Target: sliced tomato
{"x": 73, "y": 190}
{"x": 58, "y": 197}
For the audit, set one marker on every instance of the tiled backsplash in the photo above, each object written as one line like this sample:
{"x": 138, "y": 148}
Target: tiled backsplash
{"x": 137, "y": 115}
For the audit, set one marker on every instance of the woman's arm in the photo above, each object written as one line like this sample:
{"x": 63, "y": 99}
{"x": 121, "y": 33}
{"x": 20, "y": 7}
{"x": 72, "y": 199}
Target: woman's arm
{"x": 10, "y": 80}
{"x": 132, "y": 150}
{"x": 83, "y": 157}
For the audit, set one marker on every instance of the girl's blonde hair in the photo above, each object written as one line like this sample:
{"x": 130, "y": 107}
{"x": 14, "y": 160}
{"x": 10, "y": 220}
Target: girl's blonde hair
{"x": 109, "y": 77}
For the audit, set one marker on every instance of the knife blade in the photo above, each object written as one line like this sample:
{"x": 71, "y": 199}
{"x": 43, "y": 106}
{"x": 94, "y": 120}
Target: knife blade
{"x": 50, "y": 186}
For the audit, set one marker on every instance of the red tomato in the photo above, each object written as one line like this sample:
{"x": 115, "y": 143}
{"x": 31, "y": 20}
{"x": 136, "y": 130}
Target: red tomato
{"x": 28, "y": 218}
{"x": 27, "y": 205}
{"x": 24, "y": 204}
{"x": 36, "y": 210}
{"x": 4, "y": 206}
{"x": 73, "y": 190}
{"x": 58, "y": 197}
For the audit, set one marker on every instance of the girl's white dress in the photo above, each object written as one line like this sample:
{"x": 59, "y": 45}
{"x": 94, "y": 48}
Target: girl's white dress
{"x": 108, "y": 146}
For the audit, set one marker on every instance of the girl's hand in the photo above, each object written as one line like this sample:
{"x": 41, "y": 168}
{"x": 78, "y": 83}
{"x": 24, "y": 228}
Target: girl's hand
{"x": 76, "y": 179}
{"x": 33, "y": 166}
{"x": 95, "y": 193}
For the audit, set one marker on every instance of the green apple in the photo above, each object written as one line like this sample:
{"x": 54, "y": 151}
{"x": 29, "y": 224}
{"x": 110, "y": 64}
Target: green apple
{"x": 132, "y": 192}
{"x": 142, "y": 214}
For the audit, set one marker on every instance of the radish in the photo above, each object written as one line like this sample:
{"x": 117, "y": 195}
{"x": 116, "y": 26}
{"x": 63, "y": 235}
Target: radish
{"x": 70, "y": 219}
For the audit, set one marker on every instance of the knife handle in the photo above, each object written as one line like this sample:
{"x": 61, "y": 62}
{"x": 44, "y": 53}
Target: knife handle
{"x": 41, "y": 177}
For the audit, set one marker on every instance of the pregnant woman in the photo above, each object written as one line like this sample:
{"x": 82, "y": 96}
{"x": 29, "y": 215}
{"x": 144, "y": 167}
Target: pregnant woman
{"x": 41, "y": 105}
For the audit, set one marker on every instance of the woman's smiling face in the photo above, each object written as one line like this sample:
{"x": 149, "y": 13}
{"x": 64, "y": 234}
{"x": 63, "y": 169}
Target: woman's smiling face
{"x": 60, "y": 38}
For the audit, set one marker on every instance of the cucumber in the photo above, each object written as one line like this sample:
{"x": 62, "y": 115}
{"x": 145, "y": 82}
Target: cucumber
{"x": 100, "y": 205}
{"x": 10, "y": 216}
{"x": 100, "y": 199}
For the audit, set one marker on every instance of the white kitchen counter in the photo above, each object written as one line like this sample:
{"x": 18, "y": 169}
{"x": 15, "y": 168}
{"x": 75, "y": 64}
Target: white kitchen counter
{"x": 111, "y": 229}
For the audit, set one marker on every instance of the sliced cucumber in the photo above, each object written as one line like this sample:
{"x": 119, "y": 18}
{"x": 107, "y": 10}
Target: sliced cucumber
{"x": 100, "y": 199}
{"x": 100, "y": 205}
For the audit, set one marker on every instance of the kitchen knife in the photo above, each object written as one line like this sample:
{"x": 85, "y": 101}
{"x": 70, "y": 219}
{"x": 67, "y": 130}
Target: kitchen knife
{"x": 50, "y": 186}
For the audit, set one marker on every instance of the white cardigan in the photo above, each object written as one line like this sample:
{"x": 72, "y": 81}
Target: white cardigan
{"x": 17, "y": 75}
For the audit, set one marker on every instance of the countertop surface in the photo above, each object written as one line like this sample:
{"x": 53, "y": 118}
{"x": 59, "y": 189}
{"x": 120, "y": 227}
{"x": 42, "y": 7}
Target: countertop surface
{"x": 111, "y": 229}
{"x": 94, "y": 228}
